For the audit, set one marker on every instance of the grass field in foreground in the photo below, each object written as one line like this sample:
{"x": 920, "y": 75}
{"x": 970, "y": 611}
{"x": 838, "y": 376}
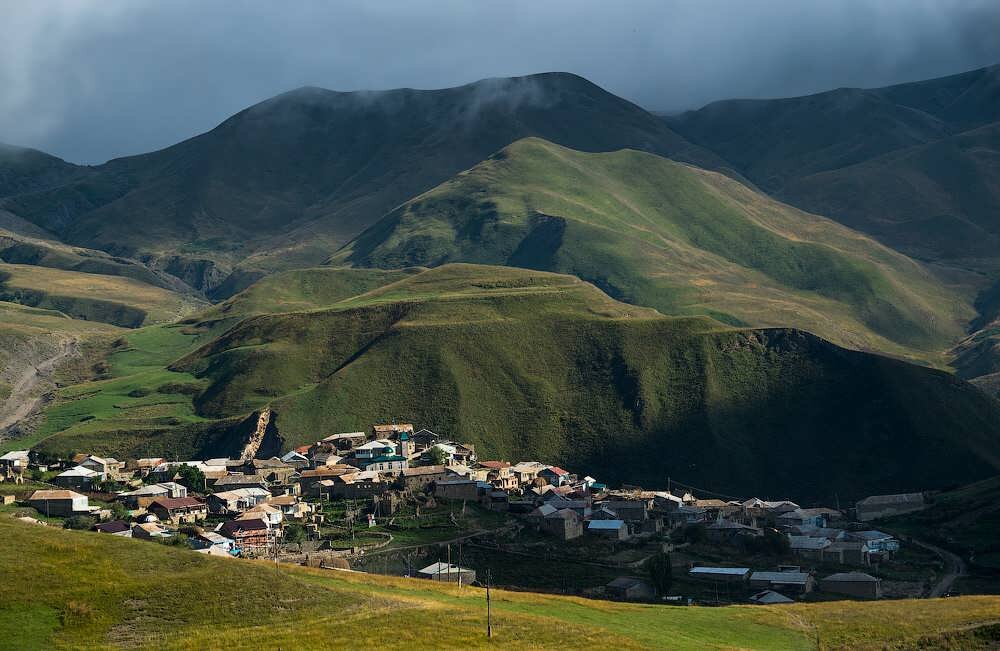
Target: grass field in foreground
{"x": 84, "y": 590}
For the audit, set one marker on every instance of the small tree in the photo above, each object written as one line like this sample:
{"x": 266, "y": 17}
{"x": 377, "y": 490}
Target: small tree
{"x": 694, "y": 533}
{"x": 660, "y": 572}
{"x": 191, "y": 477}
{"x": 79, "y": 522}
{"x": 119, "y": 511}
{"x": 437, "y": 455}
{"x": 295, "y": 533}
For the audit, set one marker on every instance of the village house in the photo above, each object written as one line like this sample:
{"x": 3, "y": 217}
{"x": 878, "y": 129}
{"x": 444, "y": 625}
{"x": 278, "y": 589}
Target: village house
{"x": 392, "y": 464}
{"x": 581, "y": 507}
{"x": 554, "y": 475}
{"x": 728, "y": 532}
{"x": 686, "y": 514}
{"x": 391, "y": 431}
{"x": 236, "y": 501}
{"x": 807, "y": 517}
{"x": 109, "y": 468}
{"x": 292, "y": 507}
{"x": 772, "y": 508}
{"x": 272, "y": 470}
{"x": 808, "y": 547}
{"x": 847, "y": 552}
{"x": 628, "y": 588}
{"x": 878, "y": 542}
{"x": 423, "y": 439}
{"x": 628, "y": 509}
{"x": 884, "y": 506}
{"x": 78, "y": 478}
{"x": 297, "y": 460}
{"x": 59, "y": 503}
{"x": 211, "y": 539}
{"x": 788, "y": 581}
{"x": 496, "y": 500}
{"x": 270, "y": 514}
{"x": 852, "y": 584}
{"x": 234, "y": 480}
{"x": 143, "y": 467}
{"x": 564, "y": 524}
{"x": 308, "y": 479}
{"x": 250, "y": 537}
{"x": 115, "y": 528}
{"x": 770, "y": 598}
{"x": 526, "y": 471}
{"x": 363, "y": 454}
{"x": 714, "y": 508}
{"x": 459, "y": 489}
{"x": 150, "y": 531}
{"x": 608, "y": 529}
{"x": 446, "y": 572}
{"x": 13, "y": 466}
{"x": 720, "y": 574}
{"x": 462, "y": 471}
{"x": 666, "y": 502}
{"x": 499, "y": 474}
{"x": 419, "y": 478}
{"x": 180, "y": 510}
{"x": 143, "y": 496}
{"x": 344, "y": 442}
{"x": 359, "y": 485}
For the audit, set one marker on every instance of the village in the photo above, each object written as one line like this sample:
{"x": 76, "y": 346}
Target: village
{"x": 396, "y": 500}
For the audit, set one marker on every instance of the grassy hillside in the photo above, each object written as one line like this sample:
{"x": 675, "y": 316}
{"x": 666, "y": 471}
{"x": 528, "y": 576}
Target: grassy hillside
{"x": 938, "y": 201}
{"x": 296, "y": 176}
{"x": 116, "y": 592}
{"x": 116, "y": 300}
{"x": 19, "y": 248}
{"x": 654, "y": 232}
{"x": 298, "y": 291}
{"x": 776, "y": 141}
{"x": 965, "y": 520}
{"x": 531, "y": 364}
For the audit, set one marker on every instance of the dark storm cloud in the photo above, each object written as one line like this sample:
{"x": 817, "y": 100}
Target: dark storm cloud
{"x": 88, "y": 80}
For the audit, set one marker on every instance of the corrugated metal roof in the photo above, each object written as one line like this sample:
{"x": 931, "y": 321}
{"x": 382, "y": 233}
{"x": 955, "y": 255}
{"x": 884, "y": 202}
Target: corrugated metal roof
{"x": 605, "y": 524}
{"x": 797, "y": 578}
{"x": 721, "y": 571}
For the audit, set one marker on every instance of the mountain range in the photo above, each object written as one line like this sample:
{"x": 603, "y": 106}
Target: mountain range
{"x": 728, "y": 286}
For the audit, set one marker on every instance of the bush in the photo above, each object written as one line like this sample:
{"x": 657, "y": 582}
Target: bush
{"x": 660, "y": 572}
{"x": 79, "y": 522}
{"x": 295, "y": 533}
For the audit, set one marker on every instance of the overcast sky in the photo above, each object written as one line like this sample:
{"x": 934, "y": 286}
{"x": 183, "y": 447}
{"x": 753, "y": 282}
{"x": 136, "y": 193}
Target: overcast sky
{"x": 89, "y": 80}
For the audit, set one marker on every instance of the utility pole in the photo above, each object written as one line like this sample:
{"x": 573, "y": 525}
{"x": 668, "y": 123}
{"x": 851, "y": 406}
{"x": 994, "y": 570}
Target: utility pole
{"x": 489, "y": 612}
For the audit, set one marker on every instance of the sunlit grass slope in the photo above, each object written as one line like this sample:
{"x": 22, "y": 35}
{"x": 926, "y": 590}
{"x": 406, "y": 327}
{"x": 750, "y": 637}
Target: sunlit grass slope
{"x": 100, "y": 591}
{"x": 116, "y": 300}
{"x": 653, "y": 232}
{"x": 533, "y": 364}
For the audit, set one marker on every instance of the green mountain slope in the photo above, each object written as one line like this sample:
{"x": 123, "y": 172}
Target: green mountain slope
{"x": 653, "y": 232}
{"x": 530, "y": 364}
{"x": 117, "y": 300}
{"x": 237, "y": 599}
{"x": 938, "y": 201}
{"x": 296, "y": 176}
{"x": 776, "y": 141}
{"x": 17, "y": 247}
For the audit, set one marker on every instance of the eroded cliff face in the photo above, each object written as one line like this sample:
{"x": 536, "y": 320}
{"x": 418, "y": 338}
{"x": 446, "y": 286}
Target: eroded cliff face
{"x": 263, "y": 441}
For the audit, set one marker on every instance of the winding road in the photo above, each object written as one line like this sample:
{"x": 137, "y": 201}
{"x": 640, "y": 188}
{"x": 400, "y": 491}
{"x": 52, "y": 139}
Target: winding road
{"x": 21, "y": 403}
{"x": 954, "y": 568}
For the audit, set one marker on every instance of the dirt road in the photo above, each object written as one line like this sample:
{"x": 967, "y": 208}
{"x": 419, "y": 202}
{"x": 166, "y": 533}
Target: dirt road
{"x": 23, "y": 400}
{"x": 954, "y": 568}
